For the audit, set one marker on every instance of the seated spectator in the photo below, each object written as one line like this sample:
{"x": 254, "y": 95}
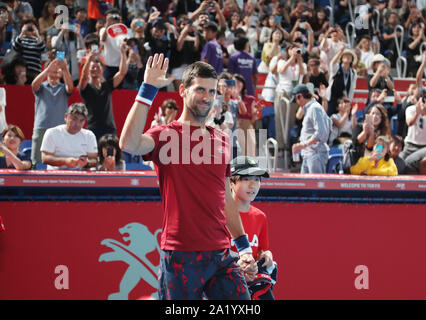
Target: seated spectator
{"x": 96, "y": 93}
{"x": 342, "y": 78}
{"x": 70, "y": 146}
{"x": 395, "y": 148}
{"x": 376, "y": 123}
{"x": 392, "y": 102}
{"x": 344, "y": 121}
{"x": 168, "y": 112}
{"x": 69, "y": 41}
{"x": 47, "y": 19}
{"x": 51, "y": 102}
{"x": 11, "y": 158}
{"x": 30, "y": 45}
{"x": 18, "y": 75}
{"x": 267, "y": 26}
{"x": 415, "y": 142}
{"x": 379, "y": 163}
{"x": 110, "y": 157}
{"x": 414, "y": 41}
{"x": 271, "y": 49}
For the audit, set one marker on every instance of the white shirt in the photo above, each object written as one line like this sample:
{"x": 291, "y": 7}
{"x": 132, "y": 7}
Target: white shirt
{"x": 61, "y": 143}
{"x": 111, "y": 49}
{"x": 366, "y": 58}
{"x": 335, "y": 131}
{"x": 289, "y": 78}
{"x": 417, "y": 132}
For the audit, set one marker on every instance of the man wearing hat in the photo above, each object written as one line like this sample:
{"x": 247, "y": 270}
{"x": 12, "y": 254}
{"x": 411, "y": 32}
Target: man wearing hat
{"x": 245, "y": 184}
{"x": 315, "y": 132}
{"x": 380, "y": 79}
{"x": 69, "y": 145}
{"x": 342, "y": 78}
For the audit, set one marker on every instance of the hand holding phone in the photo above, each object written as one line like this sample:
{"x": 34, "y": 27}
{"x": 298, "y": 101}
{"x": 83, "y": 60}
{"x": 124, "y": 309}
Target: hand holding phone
{"x": 60, "y": 55}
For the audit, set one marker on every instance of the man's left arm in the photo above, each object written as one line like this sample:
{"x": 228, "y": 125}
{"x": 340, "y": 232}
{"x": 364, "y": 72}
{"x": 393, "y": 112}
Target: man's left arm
{"x": 122, "y": 71}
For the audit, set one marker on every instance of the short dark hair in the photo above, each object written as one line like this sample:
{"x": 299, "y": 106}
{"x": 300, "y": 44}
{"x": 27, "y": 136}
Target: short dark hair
{"x": 240, "y": 43}
{"x": 90, "y": 39}
{"x": 240, "y": 78}
{"x": 198, "y": 69}
{"x": 212, "y": 26}
{"x": 398, "y": 140}
{"x": 225, "y": 75}
{"x": 28, "y": 21}
{"x": 112, "y": 11}
{"x": 78, "y": 108}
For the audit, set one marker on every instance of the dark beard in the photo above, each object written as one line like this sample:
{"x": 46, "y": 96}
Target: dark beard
{"x": 197, "y": 114}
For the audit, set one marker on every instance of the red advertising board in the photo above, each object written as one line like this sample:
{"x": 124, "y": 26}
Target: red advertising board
{"x": 101, "y": 250}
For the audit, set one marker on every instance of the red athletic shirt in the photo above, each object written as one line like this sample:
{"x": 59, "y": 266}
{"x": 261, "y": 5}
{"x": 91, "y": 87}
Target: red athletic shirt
{"x": 256, "y": 227}
{"x": 193, "y": 194}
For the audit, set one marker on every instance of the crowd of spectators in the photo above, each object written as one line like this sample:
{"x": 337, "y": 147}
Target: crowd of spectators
{"x": 104, "y": 45}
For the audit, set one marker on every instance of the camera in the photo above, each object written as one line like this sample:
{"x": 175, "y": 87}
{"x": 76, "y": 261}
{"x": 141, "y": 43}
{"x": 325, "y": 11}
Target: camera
{"x": 299, "y": 51}
{"x": 30, "y": 29}
{"x": 115, "y": 17}
{"x": 211, "y": 4}
{"x": 110, "y": 152}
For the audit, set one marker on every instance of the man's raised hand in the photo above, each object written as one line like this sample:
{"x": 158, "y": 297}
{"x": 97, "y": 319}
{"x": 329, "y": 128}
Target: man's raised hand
{"x": 156, "y": 70}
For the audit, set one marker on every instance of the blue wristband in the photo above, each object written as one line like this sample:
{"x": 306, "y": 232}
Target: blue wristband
{"x": 146, "y": 94}
{"x": 242, "y": 244}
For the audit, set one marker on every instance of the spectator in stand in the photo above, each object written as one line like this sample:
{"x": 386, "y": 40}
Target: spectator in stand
{"x": 330, "y": 46}
{"x": 96, "y": 93}
{"x": 381, "y": 78}
{"x": 134, "y": 63}
{"x": 184, "y": 50}
{"x": 91, "y": 44}
{"x": 315, "y": 74}
{"x": 414, "y": 152}
{"x": 18, "y": 75}
{"x": 367, "y": 52}
{"x": 168, "y": 112}
{"x": 135, "y": 8}
{"x": 343, "y": 77}
{"x": 11, "y": 158}
{"x": 6, "y": 29}
{"x": 81, "y": 19}
{"x": 111, "y": 45}
{"x": 360, "y": 68}
{"x": 413, "y": 54}
{"x": 110, "y": 157}
{"x": 244, "y": 63}
{"x": 212, "y": 52}
{"x": 344, "y": 121}
{"x": 387, "y": 41}
{"x": 267, "y": 26}
{"x": 376, "y": 123}
{"x": 392, "y": 103}
{"x": 47, "y": 20}
{"x": 94, "y": 13}
{"x": 19, "y": 12}
{"x": 69, "y": 145}
{"x": 156, "y": 34}
{"x": 290, "y": 73}
{"x": 69, "y": 41}
{"x": 51, "y": 102}
{"x": 395, "y": 148}
{"x": 271, "y": 49}
{"x": 379, "y": 163}
{"x": 137, "y": 27}
{"x": 30, "y": 45}
{"x": 320, "y": 23}
{"x": 246, "y": 134}
{"x": 415, "y": 17}
{"x": 99, "y": 24}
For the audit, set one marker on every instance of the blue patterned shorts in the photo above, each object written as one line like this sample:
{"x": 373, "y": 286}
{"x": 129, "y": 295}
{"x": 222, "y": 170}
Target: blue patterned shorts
{"x": 194, "y": 275}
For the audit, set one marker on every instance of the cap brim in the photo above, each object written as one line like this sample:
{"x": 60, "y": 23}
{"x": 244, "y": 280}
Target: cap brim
{"x": 253, "y": 171}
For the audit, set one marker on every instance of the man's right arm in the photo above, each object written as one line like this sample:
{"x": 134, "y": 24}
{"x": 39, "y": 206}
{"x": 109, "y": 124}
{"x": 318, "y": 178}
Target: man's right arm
{"x": 132, "y": 140}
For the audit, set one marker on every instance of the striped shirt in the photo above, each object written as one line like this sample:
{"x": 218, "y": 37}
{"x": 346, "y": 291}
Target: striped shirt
{"x": 31, "y": 51}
